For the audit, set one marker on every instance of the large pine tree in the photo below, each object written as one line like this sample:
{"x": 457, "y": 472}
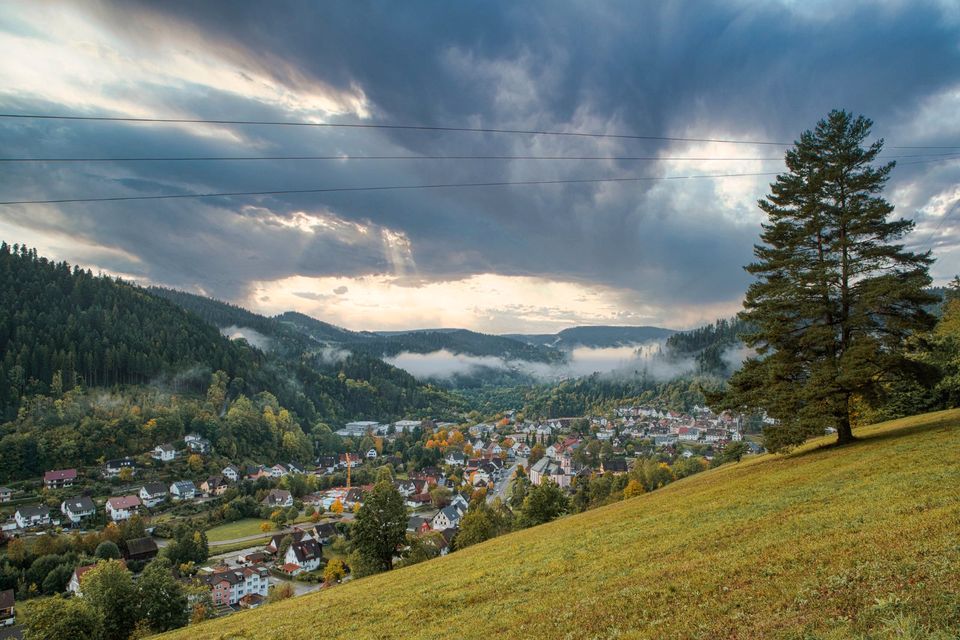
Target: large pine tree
{"x": 836, "y": 293}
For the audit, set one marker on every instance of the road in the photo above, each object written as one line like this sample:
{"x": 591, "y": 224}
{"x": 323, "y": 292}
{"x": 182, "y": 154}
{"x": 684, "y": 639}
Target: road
{"x": 501, "y": 487}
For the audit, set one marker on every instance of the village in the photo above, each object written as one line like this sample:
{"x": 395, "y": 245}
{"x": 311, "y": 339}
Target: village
{"x": 270, "y": 525}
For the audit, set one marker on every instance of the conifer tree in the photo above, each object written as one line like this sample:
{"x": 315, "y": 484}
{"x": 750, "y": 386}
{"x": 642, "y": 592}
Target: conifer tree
{"x": 836, "y": 292}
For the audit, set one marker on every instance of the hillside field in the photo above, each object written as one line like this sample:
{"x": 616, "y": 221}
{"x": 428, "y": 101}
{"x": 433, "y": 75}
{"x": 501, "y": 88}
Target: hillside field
{"x": 830, "y": 542}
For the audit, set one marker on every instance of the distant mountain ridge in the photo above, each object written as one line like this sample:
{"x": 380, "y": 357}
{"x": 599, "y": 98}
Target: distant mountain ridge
{"x": 597, "y": 336}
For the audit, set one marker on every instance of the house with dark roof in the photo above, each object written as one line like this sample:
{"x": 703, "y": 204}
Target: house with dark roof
{"x": 306, "y": 555}
{"x": 113, "y": 468}
{"x": 164, "y": 453}
{"x": 278, "y": 498}
{"x": 231, "y": 473}
{"x": 60, "y": 478}
{"x": 28, "y": 517}
{"x": 227, "y": 587}
{"x": 153, "y": 493}
{"x": 140, "y": 549}
{"x": 7, "y": 614}
{"x": 214, "y": 486}
{"x": 446, "y": 518}
{"x": 615, "y": 466}
{"x": 76, "y": 509}
{"x": 274, "y": 545}
{"x": 183, "y": 490}
{"x": 325, "y": 532}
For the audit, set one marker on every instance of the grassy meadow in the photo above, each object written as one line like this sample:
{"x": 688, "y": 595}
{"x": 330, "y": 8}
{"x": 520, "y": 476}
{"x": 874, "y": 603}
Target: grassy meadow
{"x": 827, "y": 542}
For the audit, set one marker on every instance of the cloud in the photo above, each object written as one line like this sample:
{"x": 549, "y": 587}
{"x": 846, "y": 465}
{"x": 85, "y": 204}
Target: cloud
{"x": 763, "y": 71}
{"x": 583, "y": 361}
{"x": 252, "y": 336}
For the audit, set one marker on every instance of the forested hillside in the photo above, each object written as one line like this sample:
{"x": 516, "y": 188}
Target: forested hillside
{"x": 63, "y": 326}
{"x": 94, "y": 366}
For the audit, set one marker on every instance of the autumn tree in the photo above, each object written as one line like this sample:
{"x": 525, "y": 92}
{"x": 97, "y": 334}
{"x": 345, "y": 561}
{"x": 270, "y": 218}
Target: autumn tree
{"x": 836, "y": 293}
{"x": 334, "y": 572}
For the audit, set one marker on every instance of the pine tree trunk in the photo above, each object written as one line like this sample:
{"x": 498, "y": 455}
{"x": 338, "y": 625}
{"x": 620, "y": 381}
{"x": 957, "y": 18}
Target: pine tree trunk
{"x": 845, "y": 431}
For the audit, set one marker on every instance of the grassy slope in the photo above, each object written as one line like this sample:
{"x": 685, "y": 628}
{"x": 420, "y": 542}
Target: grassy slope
{"x": 827, "y": 542}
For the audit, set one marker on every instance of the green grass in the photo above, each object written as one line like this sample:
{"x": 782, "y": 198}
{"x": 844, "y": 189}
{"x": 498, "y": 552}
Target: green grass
{"x": 245, "y": 527}
{"x": 861, "y": 541}
{"x": 237, "y": 529}
{"x": 216, "y": 549}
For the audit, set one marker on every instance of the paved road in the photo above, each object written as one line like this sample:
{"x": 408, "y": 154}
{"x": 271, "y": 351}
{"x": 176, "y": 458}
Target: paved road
{"x": 501, "y": 488}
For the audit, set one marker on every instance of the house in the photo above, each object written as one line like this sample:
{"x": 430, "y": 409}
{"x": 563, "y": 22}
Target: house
{"x": 274, "y": 545}
{"x": 228, "y": 587}
{"x": 253, "y": 557}
{"x": 418, "y": 500}
{"x": 545, "y": 469}
{"x": 76, "y": 509}
{"x": 197, "y": 444}
{"x": 231, "y": 473}
{"x": 448, "y": 536}
{"x": 328, "y": 464}
{"x": 278, "y": 498}
{"x": 123, "y": 507}
{"x": 446, "y": 518}
{"x": 418, "y": 524}
{"x": 153, "y": 493}
{"x": 28, "y": 517}
{"x": 59, "y": 479}
{"x": 141, "y": 549}
{"x": 294, "y": 467}
{"x": 455, "y": 458}
{"x": 74, "y": 585}
{"x": 214, "y": 486}
{"x": 183, "y": 490}
{"x": 6, "y": 494}
{"x": 278, "y": 471}
{"x": 7, "y": 614}
{"x": 615, "y": 466}
{"x": 371, "y": 454}
{"x": 325, "y": 532}
{"x": 164, "y": 453}
{"x": 306, "y": 555}
{"x": 350, "y": 460}
{"x": 664, "y": 441}
{"x": 251, "y": 601}
{"x": 521, "y": 450}
{"x": 113, "y": 467}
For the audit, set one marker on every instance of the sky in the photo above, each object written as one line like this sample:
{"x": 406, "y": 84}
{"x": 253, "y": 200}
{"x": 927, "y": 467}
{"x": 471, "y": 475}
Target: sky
{"x": 533, "y": 258}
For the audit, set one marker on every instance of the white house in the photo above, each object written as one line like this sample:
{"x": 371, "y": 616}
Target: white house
{"x": 27, "y": 517}
{"x": 76, "y": 509}
{"x": 455, "y": 458}
{"x": 164, "y": 453}
{"x": 305, "y": 555}
{"x": 278, "y": 498}
{"x": 401, "y": 426}
{"x": 278, "y": 471}
{"x": 231, "y": 473}
{"x": 183, "y": 490}
{"x": 123, "y": 507}
{"x": 113, "y": 467}
{"x": 153, "y": 493}
{"x": 371, "y": 454}
{"x": 446, "y": 518}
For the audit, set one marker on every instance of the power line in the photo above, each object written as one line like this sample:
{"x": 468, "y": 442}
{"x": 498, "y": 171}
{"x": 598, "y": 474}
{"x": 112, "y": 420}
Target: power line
{"x": 411, "y": 127}
{"x": 936, "y": 229}
{"x": 407, "y": 127}
{"x": 456, "y": 185}
{"x": 945, "y": 156}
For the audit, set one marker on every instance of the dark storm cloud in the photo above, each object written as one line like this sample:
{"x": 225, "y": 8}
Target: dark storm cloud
{"x": 757, "y": 71}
